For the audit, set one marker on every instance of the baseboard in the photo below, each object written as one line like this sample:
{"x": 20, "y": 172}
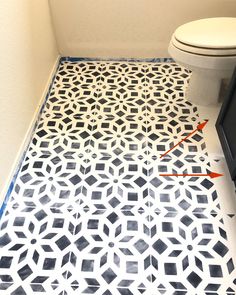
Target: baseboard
{"x": 8, "y": 187}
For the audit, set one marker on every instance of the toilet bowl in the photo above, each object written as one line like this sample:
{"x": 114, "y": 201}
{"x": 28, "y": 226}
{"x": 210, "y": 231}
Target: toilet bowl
{"x": 207, "y": 47}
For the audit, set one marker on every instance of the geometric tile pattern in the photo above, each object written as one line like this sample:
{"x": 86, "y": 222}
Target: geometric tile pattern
{"x": 90, "y": 214}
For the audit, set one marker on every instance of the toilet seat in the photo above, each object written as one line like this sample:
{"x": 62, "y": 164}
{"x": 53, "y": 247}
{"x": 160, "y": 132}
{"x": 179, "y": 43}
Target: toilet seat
{"x": 203, "y": 50}
{"x": 211, "y": 37}
{"x": 202, "y": 61}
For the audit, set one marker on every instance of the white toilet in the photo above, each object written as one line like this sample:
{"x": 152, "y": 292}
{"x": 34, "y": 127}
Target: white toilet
{"x": 207, "y": 47}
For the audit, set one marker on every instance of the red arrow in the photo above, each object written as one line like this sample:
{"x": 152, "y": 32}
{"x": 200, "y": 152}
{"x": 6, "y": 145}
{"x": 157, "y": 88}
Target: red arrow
{"x": 211, "y": 175}
{"x": 199, "y": 127}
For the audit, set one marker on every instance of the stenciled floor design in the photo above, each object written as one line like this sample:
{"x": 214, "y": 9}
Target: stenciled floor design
{"x": 89, "y": 213}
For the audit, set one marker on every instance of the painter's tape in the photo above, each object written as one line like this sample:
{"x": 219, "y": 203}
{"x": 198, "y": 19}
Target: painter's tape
{"x": 86, "y": 59}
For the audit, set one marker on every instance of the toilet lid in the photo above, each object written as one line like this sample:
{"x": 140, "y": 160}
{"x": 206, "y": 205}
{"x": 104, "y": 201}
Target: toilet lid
{"x": 215, "y": 33}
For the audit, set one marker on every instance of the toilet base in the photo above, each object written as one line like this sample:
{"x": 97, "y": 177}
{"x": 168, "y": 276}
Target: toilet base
{"x": 207, "y": 74}
{"x": 203, "y": 89}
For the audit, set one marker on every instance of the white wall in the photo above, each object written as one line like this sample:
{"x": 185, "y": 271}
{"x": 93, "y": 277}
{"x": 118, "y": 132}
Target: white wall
{"x": 27, "y": 54}
{"x": 127, "y": 28}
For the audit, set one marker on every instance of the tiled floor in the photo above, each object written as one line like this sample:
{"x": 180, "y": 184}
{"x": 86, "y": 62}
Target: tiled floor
{"x": 90, "y": 214}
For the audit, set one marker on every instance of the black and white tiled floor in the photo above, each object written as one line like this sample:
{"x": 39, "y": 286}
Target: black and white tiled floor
{"x": 90, "y": 214}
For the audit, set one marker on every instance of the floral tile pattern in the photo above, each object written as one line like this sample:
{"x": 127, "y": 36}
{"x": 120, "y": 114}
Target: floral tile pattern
{"x": 90, "y": 212}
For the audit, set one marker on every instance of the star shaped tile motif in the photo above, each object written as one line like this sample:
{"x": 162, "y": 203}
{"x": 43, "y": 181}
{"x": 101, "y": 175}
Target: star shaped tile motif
{"x": 90, "y": 212}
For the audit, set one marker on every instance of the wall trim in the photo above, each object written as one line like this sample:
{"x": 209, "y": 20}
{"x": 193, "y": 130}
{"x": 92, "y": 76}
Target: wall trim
{"x": 16, "y": 166}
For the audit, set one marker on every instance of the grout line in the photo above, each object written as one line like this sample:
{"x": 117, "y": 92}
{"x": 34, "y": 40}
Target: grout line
{"x": 148, "y": 172}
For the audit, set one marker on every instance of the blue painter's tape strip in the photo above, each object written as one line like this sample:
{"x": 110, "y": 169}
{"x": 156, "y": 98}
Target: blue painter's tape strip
{"x": 12, "y": 184}
{"x": 152, "y": 60}
{"x": 67, "y": 59}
